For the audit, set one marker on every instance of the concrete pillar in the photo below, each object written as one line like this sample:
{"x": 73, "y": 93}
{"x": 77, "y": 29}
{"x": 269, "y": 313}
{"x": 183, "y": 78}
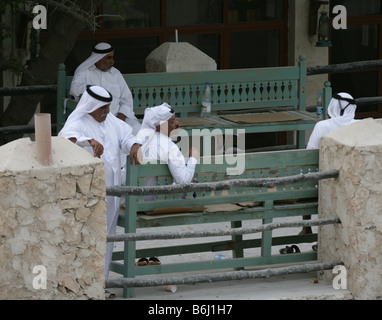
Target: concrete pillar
{"x": 356, "y": 198}
{"x": 52, "y": 223}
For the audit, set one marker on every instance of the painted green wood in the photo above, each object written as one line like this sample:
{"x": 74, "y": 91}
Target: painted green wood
{"x": 278, "y": 202}
{"x": 266, "y": 237}
{"x": 204, "y": 217}
{"x": 302, "y": 84}
{"x": 217, "y": 246}
{"x": 61, "y": 94}
{"x": 237, "y": 250}
{"x": 231, "y": 90}
{"x": 327, "y": 96}
{"x": 130, "y": 226}
{"x": 220, "y": 264}
{"x": 253, "y": 161}
{"x": 250, "y": 89}
{"x": 224, "y": 264}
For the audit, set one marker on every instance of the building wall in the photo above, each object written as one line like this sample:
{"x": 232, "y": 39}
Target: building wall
{"x": 51, "y": 217}
{"x": 356, "y": 198}
{"x": 301, "y": 44}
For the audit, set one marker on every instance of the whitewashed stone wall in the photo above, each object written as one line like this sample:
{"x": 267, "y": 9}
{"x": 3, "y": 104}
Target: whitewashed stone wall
{"x": 356, "y": 198}
{"x": 52, "y": 217}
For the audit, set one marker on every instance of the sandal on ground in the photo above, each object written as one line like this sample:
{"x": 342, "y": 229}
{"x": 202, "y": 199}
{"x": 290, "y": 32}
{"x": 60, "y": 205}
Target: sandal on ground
{"x": 109, "y": 295}
{"x": 291, "y": 249}
{"x": 142, "y": 262}
{"x": 154, "y": 261}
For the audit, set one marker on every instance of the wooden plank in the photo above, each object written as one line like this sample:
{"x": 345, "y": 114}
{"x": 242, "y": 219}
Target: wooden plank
{"x": 217, "y": 246}
{"x": 273, "y": 203}
{"x": 291, "y": 158}
{"x": 144, "y": 221}
{"x": 214, "y": 77}
{"x": 225, "y": 264}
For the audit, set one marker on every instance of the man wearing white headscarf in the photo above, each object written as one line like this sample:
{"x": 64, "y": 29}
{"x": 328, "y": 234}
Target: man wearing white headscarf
{"x": 98, "y": 70}
{"x": 158, "y": 124}
{"x": 93, "y": 128}
{"x": 341, "y": 111}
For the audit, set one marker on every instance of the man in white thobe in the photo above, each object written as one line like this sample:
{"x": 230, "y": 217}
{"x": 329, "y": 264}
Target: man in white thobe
{"x": 158, "y": 124}
{"x": 341, "y": 111}
{"x": 98, "y": 70}
{"x": 93, "y": 128}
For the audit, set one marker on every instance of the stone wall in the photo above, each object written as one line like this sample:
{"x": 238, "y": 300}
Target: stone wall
{"x": 356, "y": 198}
{"x": 52, "y": 217}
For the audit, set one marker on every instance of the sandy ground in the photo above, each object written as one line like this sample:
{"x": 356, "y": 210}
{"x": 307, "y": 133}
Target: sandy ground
{"x": 296, "y": 286}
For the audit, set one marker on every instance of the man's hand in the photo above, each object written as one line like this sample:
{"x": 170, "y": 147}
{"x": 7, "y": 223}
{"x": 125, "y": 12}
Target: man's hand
{"x": 97, "y": 148}
{"x": 194, "y": 153}
{"x": 135, "y": 154}
{"x": 121, "y": 116}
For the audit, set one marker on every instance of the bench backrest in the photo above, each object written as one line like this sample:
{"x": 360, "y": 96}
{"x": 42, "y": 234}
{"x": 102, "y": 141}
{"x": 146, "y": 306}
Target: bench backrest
{"x": 231, "y": 89}
{"x": 257, "y": 165}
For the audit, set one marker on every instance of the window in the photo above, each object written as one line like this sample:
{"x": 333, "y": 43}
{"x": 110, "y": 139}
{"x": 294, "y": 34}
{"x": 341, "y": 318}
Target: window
{"x": 127, "y": 14}
{"x": 360, "y": 8}
{"x": 196, "y": 12}
{"x": 252, "y": 10}
{"x": 236, "y": 33}
{"x": 360, "y": 42}
{"x": 255, "y": 48}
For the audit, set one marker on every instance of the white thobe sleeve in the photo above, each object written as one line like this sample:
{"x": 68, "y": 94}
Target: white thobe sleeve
{"x": 75, "y": 131}
{"x": 180, "y": 171}
{"x": 320, "y": 129}
{"x": 126, "y": 98}
{"x": 126, "y": 137}
{"x": 78, "y": 85}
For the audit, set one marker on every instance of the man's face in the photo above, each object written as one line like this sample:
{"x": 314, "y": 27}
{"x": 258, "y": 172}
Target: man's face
{"x": 106, "y": 63}
{"x": 169, "y": 126}
{"x": 101, "y": 113}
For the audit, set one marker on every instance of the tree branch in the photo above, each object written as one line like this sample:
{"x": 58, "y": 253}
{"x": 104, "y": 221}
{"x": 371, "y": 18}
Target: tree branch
{"x": 75, "y": 11}
{"x": 120, "y": 191}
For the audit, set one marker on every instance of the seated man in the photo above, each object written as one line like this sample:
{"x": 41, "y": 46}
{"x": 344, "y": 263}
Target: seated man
{"x": 341, "y": 111}
{"x": 158, "y": 124}
{"x": 92, "y": 127}
{"x": 98, "y": 70}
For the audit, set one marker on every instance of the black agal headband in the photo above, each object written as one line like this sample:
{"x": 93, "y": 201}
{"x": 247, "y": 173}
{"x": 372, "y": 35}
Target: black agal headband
{"x": 97, "y": 96}
{"x": 350, "y": 101}
{"x": 102, "y": 51}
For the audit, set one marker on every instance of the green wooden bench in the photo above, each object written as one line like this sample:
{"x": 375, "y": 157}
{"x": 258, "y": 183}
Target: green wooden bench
{"x": 267, "y": 204}
{"x": 242, "y": 91}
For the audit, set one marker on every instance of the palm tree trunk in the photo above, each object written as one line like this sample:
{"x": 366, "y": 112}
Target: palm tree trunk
{"x": 63, "y": 32}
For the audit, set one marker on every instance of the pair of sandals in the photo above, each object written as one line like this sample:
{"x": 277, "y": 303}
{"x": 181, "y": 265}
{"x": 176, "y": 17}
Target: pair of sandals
{"x": 295, "y": 249}
{"x": 153, "y": 261}
{"x": 291, "y": 249}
